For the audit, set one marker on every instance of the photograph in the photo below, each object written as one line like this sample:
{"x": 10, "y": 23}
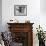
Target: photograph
{"x": 20, "y": 10}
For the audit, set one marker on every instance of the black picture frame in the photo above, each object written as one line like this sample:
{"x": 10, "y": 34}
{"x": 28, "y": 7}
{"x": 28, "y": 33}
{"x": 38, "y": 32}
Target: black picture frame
{"x": 20, "y": 10}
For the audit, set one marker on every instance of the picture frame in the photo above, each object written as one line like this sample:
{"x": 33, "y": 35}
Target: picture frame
{"x": 20, "y": 10}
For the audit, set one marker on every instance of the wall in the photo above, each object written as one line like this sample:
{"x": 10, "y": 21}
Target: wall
{"x": 43, "y": 6}
{"x": 0, "y": 15}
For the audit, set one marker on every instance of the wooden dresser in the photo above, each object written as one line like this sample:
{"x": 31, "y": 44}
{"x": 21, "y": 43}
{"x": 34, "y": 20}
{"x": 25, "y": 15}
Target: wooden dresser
{"x": 22, "y": 33}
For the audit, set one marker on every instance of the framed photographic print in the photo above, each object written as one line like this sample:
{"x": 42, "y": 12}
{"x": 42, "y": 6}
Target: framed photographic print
{"x": 20, "y": 10}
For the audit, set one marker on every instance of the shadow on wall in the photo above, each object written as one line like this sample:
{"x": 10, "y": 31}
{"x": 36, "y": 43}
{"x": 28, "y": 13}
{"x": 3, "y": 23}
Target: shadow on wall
{"x": 0, "y": 15}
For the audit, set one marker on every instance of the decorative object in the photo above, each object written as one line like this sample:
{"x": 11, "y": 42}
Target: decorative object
{"x": 20, "y": 10}
{"x": 41, "y": 36}
{"x": 13, "y": 21}
{"x": 27, "y": 21}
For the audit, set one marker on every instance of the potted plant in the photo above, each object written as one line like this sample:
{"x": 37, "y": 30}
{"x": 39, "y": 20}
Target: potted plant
{"x": 41, "y": 36}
